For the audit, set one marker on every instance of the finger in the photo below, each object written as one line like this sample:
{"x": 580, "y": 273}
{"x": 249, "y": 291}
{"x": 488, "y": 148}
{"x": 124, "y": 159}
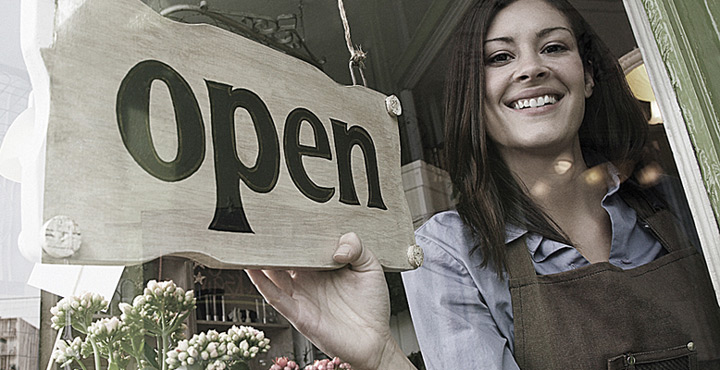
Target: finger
{"x": 282, "y": 302}
{"x": 351, "y": 250}
{"x": 282, "y": 280}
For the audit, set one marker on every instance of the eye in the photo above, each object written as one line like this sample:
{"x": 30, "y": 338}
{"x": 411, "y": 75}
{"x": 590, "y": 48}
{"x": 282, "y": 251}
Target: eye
{"x": 499, "y": 58}
{"x": 554, "y": 48}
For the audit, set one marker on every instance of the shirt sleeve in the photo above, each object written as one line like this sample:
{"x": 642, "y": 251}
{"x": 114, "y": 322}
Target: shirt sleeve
{"x": 453, "y": 324}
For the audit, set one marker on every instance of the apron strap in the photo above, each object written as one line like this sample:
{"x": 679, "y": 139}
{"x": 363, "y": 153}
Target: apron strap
{"x": 661, "y": 222}
{"x": 519, "y": 262}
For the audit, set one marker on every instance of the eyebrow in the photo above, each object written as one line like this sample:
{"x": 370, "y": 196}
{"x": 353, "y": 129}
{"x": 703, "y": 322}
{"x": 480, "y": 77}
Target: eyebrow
{"x": 540, "y": 34}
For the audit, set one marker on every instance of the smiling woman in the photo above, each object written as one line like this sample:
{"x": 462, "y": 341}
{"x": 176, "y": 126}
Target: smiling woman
{"x": 524, "y": 65}
{"x": 559, "y": 255}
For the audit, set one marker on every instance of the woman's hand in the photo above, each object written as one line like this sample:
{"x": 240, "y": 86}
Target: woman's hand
{"x": 344, "y": 312}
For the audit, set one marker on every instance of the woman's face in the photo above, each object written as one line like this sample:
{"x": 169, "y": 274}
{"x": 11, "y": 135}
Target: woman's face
{"x": 535, "y": 85}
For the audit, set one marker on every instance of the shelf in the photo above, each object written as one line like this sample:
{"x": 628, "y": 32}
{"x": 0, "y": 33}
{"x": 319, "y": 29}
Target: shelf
{"x": 226, "y": 309}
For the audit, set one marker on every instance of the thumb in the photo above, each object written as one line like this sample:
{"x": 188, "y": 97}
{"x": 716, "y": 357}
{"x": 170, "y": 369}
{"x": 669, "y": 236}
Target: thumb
{"x": 351, "y": 250}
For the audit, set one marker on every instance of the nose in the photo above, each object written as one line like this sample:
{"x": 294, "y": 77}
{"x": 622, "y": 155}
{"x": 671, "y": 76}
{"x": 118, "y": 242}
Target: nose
{"x": 531, "y": 67}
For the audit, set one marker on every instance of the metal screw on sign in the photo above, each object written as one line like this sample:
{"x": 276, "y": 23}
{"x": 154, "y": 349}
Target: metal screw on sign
{"x": 393, "y": 105}
{"x": 61, "y": 237}
{"x": 415, "y": 256}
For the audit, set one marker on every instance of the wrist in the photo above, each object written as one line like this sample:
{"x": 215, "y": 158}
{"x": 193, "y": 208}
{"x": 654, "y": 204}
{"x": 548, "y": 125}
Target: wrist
{"x": 392, "y": 357}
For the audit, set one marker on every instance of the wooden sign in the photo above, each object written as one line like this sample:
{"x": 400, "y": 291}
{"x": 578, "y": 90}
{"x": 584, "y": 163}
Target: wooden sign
{"x": 159, "y": 138}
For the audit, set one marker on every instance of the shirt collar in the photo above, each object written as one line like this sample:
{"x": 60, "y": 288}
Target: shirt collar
{"x": 514, "y": 232}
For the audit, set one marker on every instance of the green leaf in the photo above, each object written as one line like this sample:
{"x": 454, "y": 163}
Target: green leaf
{"x": 239, "y": 366}
{"x": 195, "y": 366}
{"x": 113, "y": 366}
{"x": 178, "y": 320}
{"x": 151, "y": 356}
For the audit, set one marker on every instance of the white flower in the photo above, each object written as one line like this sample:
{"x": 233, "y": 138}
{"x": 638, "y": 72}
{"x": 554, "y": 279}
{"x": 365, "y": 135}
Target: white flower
{"x": 112, "y": 324}
{"x": 124, "y": 307}
{"x": 182, "y": 345}
{"x": 139, "y": 301}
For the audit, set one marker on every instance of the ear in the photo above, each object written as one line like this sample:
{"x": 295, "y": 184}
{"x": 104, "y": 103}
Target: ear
{"x": 589, "y": 84}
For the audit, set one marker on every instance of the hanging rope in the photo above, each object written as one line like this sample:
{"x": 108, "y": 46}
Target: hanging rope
{"x": 357, "y": 55}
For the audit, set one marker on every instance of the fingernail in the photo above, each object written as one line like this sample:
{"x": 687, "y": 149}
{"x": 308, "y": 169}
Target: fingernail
{"x": 342, "y": 251}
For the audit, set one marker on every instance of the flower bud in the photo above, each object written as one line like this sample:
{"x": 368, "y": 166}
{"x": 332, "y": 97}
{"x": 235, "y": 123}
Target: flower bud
{"x": 182, "y": 345}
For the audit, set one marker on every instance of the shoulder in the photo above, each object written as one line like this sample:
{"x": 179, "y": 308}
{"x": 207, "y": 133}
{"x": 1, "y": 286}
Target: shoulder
{"x": 457, "y": 304}
{"x": 448, "y": 244}
{"x": 446, "y": 231}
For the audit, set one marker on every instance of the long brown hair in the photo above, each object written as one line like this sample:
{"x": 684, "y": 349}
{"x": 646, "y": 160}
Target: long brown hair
{"x": 489, "y": 196}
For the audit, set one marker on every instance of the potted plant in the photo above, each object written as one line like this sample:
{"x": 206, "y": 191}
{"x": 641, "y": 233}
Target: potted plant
{"x": 149, "y": 335}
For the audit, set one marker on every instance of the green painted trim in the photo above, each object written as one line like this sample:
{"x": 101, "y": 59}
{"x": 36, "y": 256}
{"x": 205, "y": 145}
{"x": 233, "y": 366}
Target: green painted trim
{"x": 674, "y": 23}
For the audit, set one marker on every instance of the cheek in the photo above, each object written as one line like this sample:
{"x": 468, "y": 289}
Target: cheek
{"x": 495, "y": 131}
{"x": 492, "y": 88}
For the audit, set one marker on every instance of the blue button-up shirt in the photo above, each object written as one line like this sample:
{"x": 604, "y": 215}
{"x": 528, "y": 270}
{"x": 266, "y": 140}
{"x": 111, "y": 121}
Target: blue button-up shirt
{"x": 463, "y": 314}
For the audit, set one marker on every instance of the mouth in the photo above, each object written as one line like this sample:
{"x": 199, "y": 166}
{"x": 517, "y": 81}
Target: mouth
{"x": 538, "y": 101}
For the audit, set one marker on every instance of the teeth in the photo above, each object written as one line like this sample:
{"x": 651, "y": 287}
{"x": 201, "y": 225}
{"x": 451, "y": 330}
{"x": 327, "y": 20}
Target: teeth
{"x": 535, "y": 102}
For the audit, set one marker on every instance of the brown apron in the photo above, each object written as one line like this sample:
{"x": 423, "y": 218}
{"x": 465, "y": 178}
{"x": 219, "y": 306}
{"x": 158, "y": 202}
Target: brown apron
{"x": 662, "y": 315}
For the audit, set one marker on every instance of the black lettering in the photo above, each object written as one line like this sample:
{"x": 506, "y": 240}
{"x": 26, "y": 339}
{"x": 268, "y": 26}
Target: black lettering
{"x": 133, "y": 118}
{"x": 344, "y": 141}
{"x": 229, "y": 170}
{"x": 294, "y": 152}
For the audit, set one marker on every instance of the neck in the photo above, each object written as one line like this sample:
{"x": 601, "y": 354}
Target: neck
{"x": 570, "y": 194}
{"x": 553, "y": 178}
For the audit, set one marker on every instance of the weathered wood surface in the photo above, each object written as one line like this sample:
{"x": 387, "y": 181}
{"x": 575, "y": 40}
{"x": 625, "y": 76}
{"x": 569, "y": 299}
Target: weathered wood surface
{"x": 126, "y": 215}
